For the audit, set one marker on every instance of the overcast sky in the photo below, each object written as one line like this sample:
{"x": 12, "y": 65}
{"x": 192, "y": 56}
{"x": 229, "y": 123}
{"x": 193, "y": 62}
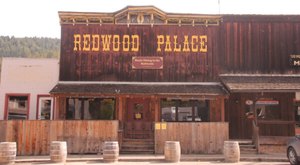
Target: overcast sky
{"x": 21, "y": 18}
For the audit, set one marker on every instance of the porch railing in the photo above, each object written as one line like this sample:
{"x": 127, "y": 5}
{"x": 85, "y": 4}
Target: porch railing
{"x": 194, "y": 137}
{"x": 270, "y": 133}
{"x": 138, "y": 130}
{"x": 33, "y": 137}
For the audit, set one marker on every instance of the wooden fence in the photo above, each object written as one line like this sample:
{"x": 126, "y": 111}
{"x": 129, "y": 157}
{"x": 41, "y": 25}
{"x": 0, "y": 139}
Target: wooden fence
{"x": 33, "y": 137}
{"x": 194, "y": 137}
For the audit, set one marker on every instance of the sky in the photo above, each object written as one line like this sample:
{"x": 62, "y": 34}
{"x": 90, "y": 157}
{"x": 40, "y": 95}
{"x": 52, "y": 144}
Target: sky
{"x": 39, "y": 18}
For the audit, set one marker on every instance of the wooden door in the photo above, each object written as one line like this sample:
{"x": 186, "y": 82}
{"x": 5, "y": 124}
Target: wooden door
{"x": 138, "y": 120}
{"x": 240, "y": 127}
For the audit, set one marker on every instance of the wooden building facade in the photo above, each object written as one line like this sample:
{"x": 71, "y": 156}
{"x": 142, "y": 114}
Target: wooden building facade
{"x": 140, "y": 67}
{"x": 198, "y": 79}
{"x": 150, "y": 66}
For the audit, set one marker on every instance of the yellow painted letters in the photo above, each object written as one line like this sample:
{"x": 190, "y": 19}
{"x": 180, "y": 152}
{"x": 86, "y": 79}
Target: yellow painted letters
{"x": 203, "y": 43}
{"x": 77, "y": 42}
{"x": 177, "y": 48}
{"x": 186, "y": 47}
{"x": 135, "y": 43}
{"x": 106, "y": 42}
{"x": 86, "y": 42}
{"x": 116, "y": 43}
{"x": 168, "y": 44}
{"x": 96, "y": 42}
{"x": 126, "y": 43}
{"x": 160, "y": 41}
{"x": 131, "y": 43}
{"x": 194, "y": 43}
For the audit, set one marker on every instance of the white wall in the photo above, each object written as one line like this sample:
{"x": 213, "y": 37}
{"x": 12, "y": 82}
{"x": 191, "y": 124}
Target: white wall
{"x": 27, "y": 76}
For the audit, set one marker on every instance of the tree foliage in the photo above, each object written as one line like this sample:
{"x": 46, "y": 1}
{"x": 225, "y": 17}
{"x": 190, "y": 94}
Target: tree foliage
{"x": 29, "y": 47}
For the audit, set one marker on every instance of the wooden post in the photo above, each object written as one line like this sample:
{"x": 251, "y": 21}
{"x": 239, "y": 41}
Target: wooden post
{"x": 60, "y": 108}
{"x": 82, "y": 108}
{"x": 157, "y": 109}
{"x": 222, "y": 106}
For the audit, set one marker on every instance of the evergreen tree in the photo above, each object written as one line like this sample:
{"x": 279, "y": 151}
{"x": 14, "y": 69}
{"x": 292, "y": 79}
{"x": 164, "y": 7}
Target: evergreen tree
{"x": 29, "y": 47}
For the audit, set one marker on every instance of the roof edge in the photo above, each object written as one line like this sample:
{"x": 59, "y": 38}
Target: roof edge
{"x": 139, "y": 83}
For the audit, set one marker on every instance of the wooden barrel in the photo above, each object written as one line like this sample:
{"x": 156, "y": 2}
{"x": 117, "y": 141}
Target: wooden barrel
{"x": 111, "y": 151}
{"x": 8, "y": 152}
{"x": 58, "y": 151}
{"x": 231, "y": 151}
{"x": 172, "y": 151}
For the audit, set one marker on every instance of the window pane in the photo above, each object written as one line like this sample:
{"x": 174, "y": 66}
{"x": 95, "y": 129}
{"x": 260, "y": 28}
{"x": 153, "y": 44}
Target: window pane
{"x": 178, "y": 110}
{"x": 202, "y": 110}
{"x": 90, "y": 109}
{"x": 168, "y": 114}
{"x": 197, "y": 114}
{"x": 185, "y": 114}
{"x": 45, "y": 108}
{"x": 268, "y": 112}
{"x": 102, "y": 109}
{"x": 70, "y": 114}
{"x": 168, "y": 110}
{"x": 17, "y": 107}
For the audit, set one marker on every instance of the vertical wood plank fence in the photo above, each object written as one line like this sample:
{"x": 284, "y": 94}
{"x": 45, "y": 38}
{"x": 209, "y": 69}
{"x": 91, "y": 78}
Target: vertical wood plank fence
{"x": 193, "y": 137}
{"x": 33, "y": 137}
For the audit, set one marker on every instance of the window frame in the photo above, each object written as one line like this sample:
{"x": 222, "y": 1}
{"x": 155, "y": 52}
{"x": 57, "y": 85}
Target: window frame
{"x": 7, "y": 95}
{"x": 51, "y": 106}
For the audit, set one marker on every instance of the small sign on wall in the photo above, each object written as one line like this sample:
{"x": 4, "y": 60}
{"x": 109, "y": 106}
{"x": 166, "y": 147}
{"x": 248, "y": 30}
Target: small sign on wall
{"x": 161, "y": 126}
{"x": 138, "y": 116}
{"x": 295, "y": 60}
{"x": 157, "y": 126}
{"x": 139, "y": 62}
{"x": 248, "y": 102}
{"x": 267, "y": 102}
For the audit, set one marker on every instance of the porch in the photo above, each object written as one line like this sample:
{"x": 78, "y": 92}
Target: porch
{"x": 33, "y": 137}
{"x": 261, "y": 107}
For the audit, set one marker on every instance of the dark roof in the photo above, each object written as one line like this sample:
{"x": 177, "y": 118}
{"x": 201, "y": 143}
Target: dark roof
{"x": 261, "y": 82}
{"x": 139, "y": 88}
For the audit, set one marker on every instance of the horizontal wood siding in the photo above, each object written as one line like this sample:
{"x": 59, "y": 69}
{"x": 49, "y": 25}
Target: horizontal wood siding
{"x": 34, "y": 137}
{"x": 193, "y": 137}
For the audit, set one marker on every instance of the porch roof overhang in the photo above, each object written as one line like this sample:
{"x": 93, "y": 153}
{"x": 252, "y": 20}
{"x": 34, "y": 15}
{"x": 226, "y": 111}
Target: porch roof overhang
{"x": 137, "y": 88}
{"x": 261, "y": 82}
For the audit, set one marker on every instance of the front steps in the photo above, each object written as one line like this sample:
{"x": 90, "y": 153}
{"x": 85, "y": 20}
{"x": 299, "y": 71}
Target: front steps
{"x": 137, "y": 146}
{"x": 246, "y": 146}
{"x": 146, "y": 146}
